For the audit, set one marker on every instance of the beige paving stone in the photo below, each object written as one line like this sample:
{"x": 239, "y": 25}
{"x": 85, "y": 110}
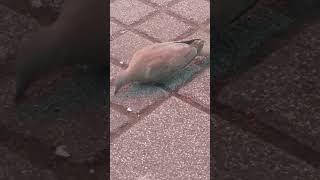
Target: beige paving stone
{"x": 199, "y": 88}
{"x": 163, "y": 27}
{"x": 123, "y": 47}
{"x": 129, "y": 11}
{"x": 117, "y": 120}
{"x": 173, "y": 142}
{"x": 195, "y": 10}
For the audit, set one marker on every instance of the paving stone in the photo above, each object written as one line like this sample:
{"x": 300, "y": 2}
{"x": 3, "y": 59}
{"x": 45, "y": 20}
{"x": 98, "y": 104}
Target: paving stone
{"x": 242, "y": 155}
{"x": 117, "y": 120}
{"x": 114, "y": 28}
{"x": 129, "y": 11}
{"x": 199, "y": 88}
{"x": 137, "y": 96}
{"x": 195, "y": 10}
{"x": 167, "y": 144}
{"x": 283, "y": 91}
{"x": 114, "y": 70}
{"x": 12, "y": 166}
{"x": 163, "y": 27}
{"x": 161, "y": 2}
{"x": 123, "y": 47}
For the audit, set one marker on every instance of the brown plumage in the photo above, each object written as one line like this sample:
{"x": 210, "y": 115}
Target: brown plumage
{"x": 78, "y": 36}
{"x": 159, "y": 61}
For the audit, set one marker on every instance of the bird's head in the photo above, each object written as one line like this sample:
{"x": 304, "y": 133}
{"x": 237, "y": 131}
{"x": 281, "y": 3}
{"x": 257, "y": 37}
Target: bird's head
{"x": 198, "y": 43}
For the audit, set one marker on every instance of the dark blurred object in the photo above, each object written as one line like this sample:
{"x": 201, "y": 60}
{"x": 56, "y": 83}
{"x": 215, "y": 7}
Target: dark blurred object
{"x": 79, "y": 36}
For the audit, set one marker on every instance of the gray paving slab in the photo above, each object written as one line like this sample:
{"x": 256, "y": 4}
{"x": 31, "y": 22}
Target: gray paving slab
{"x": 161, "y": 2}
{"x": 283, "y": 91}
{"x": 117, "y": 120}
{"x": 129, "y": 11}
{"x": 163, "y": 27}
{"x": 13, "y": 167}
{"x": 197, "y": 11}
{"x": 170, "y": 143}
{"x": 114, "y": 28}
{"x": 123, "y": 47}
{"x": 242, "y": 155}
{"x": 199, "y": 88}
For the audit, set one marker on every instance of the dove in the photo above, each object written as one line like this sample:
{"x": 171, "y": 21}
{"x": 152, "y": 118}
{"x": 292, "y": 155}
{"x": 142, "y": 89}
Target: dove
{"x": 158, "y": 62}
{"x": 78, "y": 36}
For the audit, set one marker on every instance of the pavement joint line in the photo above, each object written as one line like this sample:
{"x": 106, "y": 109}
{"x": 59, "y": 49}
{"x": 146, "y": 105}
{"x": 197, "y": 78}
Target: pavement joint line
{"x": 121, "y": 109}
{"x": 158, "y": 9}
{"x": 248, "y": 122}
{"x": 191, "y": 102}
{"x": 144, "y": 113}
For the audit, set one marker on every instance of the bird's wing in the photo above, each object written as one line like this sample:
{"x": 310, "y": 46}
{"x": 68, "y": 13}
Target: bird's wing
{"x": 165, "y": 61}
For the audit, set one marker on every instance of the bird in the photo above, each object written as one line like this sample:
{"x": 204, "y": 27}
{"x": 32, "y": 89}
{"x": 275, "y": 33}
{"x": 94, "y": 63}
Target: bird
{"x": 158, "y": 62}
{"x": 78, "y": 36}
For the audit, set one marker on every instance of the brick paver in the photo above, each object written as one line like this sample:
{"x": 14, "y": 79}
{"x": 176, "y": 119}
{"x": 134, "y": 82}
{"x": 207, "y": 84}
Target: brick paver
{"x": 158, "y": 133}
{"x": 170, "y": 143}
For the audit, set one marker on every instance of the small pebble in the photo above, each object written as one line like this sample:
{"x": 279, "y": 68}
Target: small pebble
{"x": 129, "y": 109}
{"x": 121, "y": 62}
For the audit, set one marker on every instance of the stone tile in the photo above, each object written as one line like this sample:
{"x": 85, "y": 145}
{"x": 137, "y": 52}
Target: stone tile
{"x": 117, "y": 120}
{"x": 114, "y": 28}
{"x": 161, "y": 2}
{"x": 163, "y": 27}
{"x": 137, "y": 96}
{"x": 283, "y": 91}
{"x": 167, "y": 144}
{"x": 123, "y": 47}
{"x": 199, "y": 88}
{"x": 114, "y": 70}
{"x": 129, "y": 11}
{"x": 241, "y": 155}
{"x": 195, "y": 10}
{"x": 12, "y": 166}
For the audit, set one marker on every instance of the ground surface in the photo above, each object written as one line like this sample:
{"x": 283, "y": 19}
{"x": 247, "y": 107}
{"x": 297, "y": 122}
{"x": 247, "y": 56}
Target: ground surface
{"x": 266, "y": 123}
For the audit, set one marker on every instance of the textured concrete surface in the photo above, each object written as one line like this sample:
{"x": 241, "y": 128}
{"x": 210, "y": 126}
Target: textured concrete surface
{"x": 158, "y": 133}
{"x": 169, "y": 143}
